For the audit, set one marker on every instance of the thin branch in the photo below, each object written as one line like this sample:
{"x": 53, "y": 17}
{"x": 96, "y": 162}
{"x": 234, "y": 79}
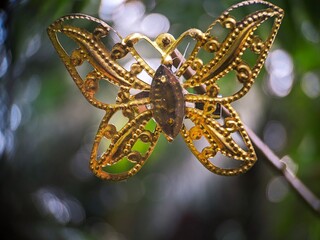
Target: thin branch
{"x": 297, "y": 185}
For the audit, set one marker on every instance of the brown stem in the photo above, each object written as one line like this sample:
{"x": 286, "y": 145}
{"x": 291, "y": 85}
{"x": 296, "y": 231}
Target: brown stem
{"x": 297, "y": 185}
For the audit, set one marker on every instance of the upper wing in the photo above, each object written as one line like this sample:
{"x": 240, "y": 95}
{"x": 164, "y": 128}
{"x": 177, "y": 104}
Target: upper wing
{"x": 87, "y": 46}
{"x": 233, "y": 44}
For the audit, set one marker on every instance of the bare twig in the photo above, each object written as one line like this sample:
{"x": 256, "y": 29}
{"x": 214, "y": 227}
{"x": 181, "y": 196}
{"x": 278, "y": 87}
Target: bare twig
{"x": 297, "y": 185}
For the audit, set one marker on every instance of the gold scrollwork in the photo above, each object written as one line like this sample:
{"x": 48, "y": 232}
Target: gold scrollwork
{"x": 167, "y": 104}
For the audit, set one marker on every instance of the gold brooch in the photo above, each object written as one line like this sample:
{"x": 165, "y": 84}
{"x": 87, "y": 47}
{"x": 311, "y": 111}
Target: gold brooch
{"x": 181, "y": 95}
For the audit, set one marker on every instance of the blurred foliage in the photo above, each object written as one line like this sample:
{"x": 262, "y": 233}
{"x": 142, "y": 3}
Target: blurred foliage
{"x": 47, "y": 128}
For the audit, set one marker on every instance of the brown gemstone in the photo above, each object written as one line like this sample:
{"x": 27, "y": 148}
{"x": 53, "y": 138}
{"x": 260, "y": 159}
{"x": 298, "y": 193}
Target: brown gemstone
{"x": 168, "y": 102}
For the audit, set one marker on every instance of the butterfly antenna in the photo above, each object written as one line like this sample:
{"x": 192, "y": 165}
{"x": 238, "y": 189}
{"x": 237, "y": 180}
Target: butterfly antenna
{"x": 184, "y": 54}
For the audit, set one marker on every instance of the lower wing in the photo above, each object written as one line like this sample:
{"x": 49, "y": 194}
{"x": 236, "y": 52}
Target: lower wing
{"x": 206, "y": 136}
{"x": 119, "y": 154}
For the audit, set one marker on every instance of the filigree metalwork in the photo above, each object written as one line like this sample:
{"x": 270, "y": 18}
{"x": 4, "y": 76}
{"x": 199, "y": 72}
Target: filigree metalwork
{"x": 172, "y": 100}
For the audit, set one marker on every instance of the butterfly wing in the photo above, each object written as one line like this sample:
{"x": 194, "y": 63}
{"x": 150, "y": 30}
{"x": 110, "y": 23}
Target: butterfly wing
{"x": 227, "y": 55}
{"x": 233, "y": 46}
{"x": 87, "y": 47}
{"x": 209, "y": 133}
{"x": 119, "y": 154}
{"x": 118, "y": 151}
{"x": 206, "y": 136}
{"x": 237, "y": 46}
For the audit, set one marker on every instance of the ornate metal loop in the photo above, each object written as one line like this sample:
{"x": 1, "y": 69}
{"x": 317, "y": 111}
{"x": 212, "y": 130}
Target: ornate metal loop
{"x": 109, "y": 131}
{"x": 257, "y": 45}
{"x": 244, "y": 73}
{"x": 119, "y": 51}
{"x": 229, "y": 22}
{"x": 212, "y": 45}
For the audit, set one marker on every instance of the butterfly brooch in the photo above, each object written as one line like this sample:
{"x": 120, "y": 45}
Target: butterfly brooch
{"x": 182, "y": 94}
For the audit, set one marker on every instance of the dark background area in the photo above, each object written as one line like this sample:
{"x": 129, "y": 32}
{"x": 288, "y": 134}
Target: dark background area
{"x": 47, "y": 128}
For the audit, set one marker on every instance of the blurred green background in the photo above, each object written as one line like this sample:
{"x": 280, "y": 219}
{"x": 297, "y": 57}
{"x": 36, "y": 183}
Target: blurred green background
{"x": 47, "y": 128}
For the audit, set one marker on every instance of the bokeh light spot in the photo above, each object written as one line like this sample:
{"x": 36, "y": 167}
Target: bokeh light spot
{"x": 277, "y": 189}
{"x": 310, "y": 32}
{"x": 154, "y": 24}
{"x": 62, "y": 208}
{"x": 15, "y": 117}
{"x": 4, "y": 63}
{"x": 279, "y": 65}
{"x": 2, "y": 143}
{"x": 9, "y": 142}
{"x": 32, "y": 90}
{"x": 50, "y": 204}
{"x": 127, "y": 16}
{"x": 310, "y": 84}
{"x": 229, "y": 230}
{"x": 3, "y": 31}
{"x": 33, "y": 45}
{"x": 275, "y": 135}
{"x": 107, "y": 8}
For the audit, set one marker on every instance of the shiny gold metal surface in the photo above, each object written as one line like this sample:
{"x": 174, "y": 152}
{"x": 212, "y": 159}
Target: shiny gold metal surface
{"x": 172, "y": 103}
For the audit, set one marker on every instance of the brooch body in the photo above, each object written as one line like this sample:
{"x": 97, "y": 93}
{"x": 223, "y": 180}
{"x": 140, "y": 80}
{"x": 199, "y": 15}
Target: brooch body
{"x": 178, "y": 98}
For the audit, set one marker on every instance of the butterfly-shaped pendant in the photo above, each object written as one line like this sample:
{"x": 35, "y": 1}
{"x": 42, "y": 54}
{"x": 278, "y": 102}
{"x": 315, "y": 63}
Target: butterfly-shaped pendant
{"x": 174, "y": 97}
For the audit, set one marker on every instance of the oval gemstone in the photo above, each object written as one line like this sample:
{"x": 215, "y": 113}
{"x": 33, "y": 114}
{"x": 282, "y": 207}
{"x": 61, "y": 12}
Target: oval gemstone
{"x": 167, "y": 98}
